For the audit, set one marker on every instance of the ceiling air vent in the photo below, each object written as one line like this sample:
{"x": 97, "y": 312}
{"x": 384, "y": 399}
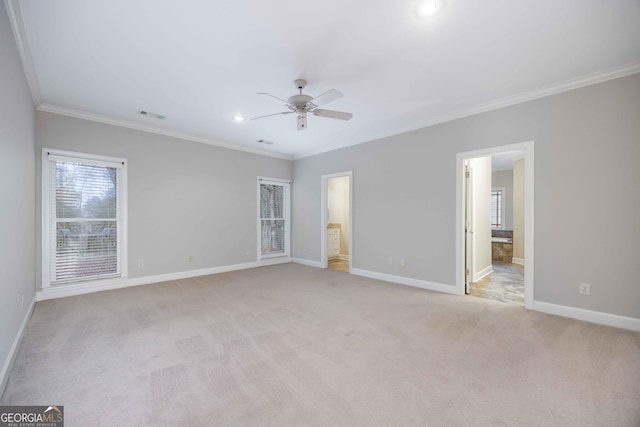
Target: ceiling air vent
{"x": 150, "y": 114}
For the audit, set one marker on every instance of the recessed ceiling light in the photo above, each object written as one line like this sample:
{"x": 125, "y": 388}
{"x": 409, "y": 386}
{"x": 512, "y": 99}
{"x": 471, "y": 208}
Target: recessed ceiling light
{"x": 428, "y": 7}
{"x": 238, "y": 118}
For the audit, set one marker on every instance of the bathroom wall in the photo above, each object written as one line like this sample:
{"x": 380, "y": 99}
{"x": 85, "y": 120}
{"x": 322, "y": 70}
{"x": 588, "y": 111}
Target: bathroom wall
{"x": 504, "y": 179}
{"x": 518, "y": 211}
{"x": 338, "y": 205}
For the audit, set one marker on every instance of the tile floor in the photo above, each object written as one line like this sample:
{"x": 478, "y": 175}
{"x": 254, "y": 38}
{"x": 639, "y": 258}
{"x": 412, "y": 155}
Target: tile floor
{"x": 338, "y": 264}
{"x": 505, "y": 284}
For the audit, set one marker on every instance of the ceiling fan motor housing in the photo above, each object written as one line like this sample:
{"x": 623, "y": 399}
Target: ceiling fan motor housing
{"x": 300, "y": 101}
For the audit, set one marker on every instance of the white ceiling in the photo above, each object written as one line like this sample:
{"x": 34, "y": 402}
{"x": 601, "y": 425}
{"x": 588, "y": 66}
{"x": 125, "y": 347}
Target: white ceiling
{"x": 199, "y": 61}
{"x": 504, "y": 161}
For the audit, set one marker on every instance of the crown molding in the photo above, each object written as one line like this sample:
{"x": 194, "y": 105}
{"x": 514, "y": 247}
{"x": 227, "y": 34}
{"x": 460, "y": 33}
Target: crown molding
{"x": 17, "y": 26}
{"x": 152, "y": 129}
{"x": 587, "y": 80}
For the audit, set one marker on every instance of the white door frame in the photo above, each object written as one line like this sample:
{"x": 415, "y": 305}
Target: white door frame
{"x": 324, "y": 259}
{"x": 529, "y": 168}
{"x": 468, "y": 237}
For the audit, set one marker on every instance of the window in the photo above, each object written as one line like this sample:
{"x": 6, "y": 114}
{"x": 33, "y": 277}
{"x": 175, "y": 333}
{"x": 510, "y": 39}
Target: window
{"x": 497, "y": 208}
{"x": 83, "y": 217}
{"x": 273, "y": 218}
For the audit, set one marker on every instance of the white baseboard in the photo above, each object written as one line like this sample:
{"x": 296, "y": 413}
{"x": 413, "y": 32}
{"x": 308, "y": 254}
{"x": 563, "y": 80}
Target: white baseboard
{"x": 482, "y": 273}
{"x": 13, "y": 351}
{"x": 106, "y": 285}
{"x": 417, "y": 283}
{"x": 588, "y": 315}
{"x": 307, "y": 262}
{"x": 518, "y": 261}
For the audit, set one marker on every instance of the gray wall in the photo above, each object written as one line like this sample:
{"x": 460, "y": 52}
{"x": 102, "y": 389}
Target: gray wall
{"x": 587, "y": 203}
{"x": 185, "y": 198}
{"x": 17, "y": 189}
{"x": 504, "y": 179}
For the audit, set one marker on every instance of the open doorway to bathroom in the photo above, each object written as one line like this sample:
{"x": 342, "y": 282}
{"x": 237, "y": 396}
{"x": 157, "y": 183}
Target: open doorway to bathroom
{"x": 499, "y": 181}
{"x": 336, "y": 233}
{"x": 496, "y": 213}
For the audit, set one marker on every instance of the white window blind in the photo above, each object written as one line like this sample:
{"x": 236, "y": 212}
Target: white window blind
{"x": 84, "y": 230}
{"x": 273, "y": 217}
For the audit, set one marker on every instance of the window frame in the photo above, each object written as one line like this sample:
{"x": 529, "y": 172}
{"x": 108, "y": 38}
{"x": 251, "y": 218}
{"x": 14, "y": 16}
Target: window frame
{"x": 287, "y": 219}
{"x": 46, "y": 230}
{"x": 502, "y": 191}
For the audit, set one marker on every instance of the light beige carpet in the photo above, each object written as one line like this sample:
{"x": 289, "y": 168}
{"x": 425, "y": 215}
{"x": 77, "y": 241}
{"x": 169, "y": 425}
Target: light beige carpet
{"x": 291, "y": 345}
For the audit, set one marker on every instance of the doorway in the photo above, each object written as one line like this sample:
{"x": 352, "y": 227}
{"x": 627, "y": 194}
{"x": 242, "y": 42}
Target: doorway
{"x": 495, "y": 223}
{"x": 336, "y": 233}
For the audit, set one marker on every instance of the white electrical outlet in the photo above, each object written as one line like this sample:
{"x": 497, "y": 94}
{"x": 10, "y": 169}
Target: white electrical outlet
{"x": 190, "y": 258}
{"x": 585, "y": 289}
{"x": 389, "y": 261}
{"x": 402, "y": 263}
{"x": 22, "y": 306}
{"x": 140, "y": 263}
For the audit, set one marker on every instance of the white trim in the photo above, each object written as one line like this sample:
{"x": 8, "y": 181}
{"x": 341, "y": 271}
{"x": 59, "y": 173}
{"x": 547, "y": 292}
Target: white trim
{"x": 13, "y": 351}
{"x": 518, "y": 261}
{"x": 307, "y": 262}
{"x": 529, "y": 156}
{"x": 482, "y": 273}
{"x": 49, "y": 108}
{"x": 62, "y": 291}
{"x": 19, "y": 33}
{"x": 274, "y": 180}
{"x": 576, "y": 83}
{"x": 588, "y": 315}
{"x": 416, "y": 283}
{"x": 48, "y": 155}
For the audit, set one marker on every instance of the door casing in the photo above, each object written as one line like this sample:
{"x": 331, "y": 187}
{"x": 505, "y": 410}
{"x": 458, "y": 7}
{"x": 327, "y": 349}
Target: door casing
{"x": 324, "y": 179}
{"x": 529, "y": 175}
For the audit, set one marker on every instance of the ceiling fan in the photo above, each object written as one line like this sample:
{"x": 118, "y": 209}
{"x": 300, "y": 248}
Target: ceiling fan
{"x": 302, "y": 104}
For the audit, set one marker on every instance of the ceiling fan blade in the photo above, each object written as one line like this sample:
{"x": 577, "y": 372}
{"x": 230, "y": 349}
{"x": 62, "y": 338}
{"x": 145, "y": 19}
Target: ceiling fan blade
{"x": 274, "y": 114}
{"x": 327, "y": 97}
{"x": 273, "y": 96}
{"x": 340, "y": 115}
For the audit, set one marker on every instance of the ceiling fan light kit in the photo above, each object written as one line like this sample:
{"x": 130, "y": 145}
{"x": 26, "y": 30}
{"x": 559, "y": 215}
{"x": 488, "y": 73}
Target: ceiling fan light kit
{"x": 302, "y": 104}
{"x": 302, "y": 122}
